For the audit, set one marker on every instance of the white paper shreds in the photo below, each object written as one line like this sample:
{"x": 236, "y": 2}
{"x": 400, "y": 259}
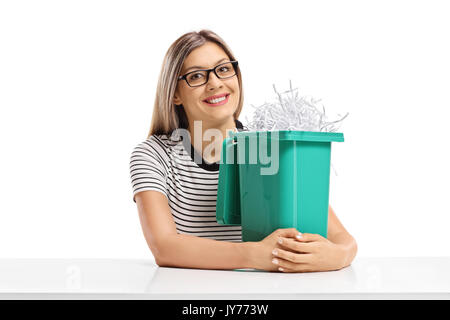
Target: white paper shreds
{"x": 292, "y": 112}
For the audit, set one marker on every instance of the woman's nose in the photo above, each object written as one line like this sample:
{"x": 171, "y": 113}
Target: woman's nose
{"x": 214, "y": 82}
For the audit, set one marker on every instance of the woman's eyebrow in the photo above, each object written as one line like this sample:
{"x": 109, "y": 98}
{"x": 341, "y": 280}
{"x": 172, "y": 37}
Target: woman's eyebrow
{"x": 199, "y": 67}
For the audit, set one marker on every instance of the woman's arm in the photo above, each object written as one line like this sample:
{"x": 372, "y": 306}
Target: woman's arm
{"x": 312, "y": 252}
{"x": 340, "y": 236}
{"x": 171, "y": 249}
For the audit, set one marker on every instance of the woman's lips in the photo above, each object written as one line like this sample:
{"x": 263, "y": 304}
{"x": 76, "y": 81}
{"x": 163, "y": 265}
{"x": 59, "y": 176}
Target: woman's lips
{"x": 218, "y": 103}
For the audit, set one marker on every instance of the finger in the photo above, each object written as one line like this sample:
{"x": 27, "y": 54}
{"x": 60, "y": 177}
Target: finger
{"x": 309, "y": 237}
{"x": 291, "y": 256}
{"x": 288, "y": 266}
{"x": 291, "y": 244}
{"x": 287, "y": 233}
{"x": 299, "y": 269}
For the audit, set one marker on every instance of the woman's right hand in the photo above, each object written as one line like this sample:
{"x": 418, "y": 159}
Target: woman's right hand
{"x": 261, "y": 252}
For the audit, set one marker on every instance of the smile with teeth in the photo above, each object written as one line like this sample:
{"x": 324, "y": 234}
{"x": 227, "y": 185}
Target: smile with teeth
{"x": 217, "y": 101}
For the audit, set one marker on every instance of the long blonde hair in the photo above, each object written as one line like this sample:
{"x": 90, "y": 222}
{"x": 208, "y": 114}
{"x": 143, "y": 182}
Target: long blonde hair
{"x": 166, "y": 116}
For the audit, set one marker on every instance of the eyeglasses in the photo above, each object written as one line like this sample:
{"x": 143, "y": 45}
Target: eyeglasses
{"x": 200, "y": 77}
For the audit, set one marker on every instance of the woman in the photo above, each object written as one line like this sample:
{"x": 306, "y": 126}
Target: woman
{"x": 200, "y": 90}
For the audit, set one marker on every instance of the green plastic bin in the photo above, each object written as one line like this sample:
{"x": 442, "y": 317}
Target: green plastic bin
{"x": 295, "y": 196}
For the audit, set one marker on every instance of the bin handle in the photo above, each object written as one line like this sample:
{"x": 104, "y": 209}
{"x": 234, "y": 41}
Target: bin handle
{"x": 228, "y": 204}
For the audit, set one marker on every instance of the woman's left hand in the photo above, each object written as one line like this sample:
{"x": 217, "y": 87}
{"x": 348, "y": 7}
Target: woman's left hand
{"x": 310, "y": 252}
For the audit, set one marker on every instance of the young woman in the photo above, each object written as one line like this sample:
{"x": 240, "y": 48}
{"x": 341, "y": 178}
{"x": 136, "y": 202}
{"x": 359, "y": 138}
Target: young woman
{"x": 200, "y": 89}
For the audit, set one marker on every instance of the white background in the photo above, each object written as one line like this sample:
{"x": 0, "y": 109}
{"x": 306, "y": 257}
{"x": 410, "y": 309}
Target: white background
{"x": 77, "y": 86}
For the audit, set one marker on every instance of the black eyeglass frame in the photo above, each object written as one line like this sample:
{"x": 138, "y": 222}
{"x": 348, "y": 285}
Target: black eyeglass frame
{"x": 184, "y": 77}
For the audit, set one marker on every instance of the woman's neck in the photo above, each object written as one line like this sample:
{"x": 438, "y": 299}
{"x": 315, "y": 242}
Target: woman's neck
{"x": 207, "y": 138}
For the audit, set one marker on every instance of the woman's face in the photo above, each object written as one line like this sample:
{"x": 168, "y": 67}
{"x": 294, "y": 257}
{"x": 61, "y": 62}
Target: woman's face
{"x": 194, "y": 99}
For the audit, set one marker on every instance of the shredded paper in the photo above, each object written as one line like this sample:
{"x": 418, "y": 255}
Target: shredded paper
{"x": 290, "y": 111}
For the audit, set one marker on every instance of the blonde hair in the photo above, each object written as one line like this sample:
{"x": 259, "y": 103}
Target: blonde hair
{"x": 166, "y": 116}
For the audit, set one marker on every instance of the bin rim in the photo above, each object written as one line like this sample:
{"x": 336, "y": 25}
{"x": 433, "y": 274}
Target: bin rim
{"x": 295, "y": 135}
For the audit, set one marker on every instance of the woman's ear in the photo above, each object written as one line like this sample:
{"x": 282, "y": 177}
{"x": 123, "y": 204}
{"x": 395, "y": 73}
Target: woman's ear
{"x": 176, "y": 99}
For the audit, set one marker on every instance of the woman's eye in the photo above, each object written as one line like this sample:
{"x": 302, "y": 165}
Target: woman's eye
{"x": 223, "y": 69}
{"x": 195, "y": 76}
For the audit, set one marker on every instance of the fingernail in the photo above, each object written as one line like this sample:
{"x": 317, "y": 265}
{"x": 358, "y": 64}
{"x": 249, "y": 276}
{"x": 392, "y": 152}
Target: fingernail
{"x": 275, "y": 261}
{"x": 280, "y": 269}
{"x": 280, "y": 240}
{"x": 299, "y": 236}
{"x": 275, "y": 252}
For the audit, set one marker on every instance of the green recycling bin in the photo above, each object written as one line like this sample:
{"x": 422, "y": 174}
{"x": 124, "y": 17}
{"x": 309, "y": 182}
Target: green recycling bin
{"x": 275, "y": 179}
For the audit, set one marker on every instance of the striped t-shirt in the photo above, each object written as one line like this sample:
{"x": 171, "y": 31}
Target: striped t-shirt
{"x": 161, "y": 163}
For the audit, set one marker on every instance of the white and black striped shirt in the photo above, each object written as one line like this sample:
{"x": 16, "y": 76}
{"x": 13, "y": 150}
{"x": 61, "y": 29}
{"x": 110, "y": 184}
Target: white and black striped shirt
{"x": 161, "y": 163}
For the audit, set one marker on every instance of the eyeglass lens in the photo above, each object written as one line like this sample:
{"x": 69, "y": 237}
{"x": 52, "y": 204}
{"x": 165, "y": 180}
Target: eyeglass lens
{"x": 223, "y": 71}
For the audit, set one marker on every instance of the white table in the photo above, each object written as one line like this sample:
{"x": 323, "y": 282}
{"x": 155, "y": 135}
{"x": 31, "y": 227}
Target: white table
{"x": 366, "y": 278}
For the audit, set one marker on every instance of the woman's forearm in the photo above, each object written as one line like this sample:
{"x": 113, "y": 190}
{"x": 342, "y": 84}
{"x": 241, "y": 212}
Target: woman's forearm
{"x": 340, "y": 236}
{"x": 194, "y": 252}
{"x": 348, "y": 244}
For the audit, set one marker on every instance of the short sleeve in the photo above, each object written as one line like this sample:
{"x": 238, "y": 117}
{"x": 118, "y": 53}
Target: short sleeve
{"x": 148, "y": 170}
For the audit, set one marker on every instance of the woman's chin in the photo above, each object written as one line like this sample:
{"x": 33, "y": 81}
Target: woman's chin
{"x": 219, "y": 112}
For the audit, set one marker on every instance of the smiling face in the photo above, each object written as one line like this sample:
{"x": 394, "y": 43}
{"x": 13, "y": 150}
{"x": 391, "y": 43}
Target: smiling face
{"x": 194, "y": 99}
